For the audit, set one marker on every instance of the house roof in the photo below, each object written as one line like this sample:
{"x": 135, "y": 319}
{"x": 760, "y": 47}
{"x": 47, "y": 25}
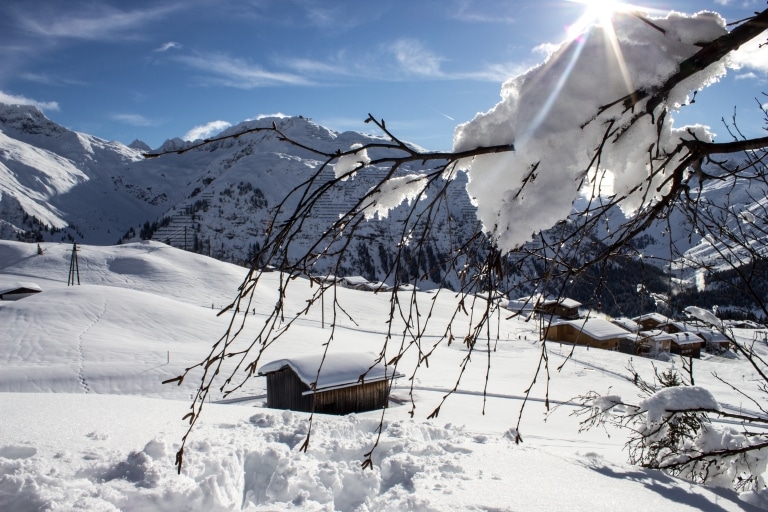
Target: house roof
{"x": 338, "y": 370}
{"x": 657, "y": 317}
{"x": 657, "y": 334}
{"x": 685, "y": 338}
{"x": 627, "y": 323}
{"x": 562, "y": 301}
{"x": 596, "y": 328}
{"x": 19, "y": 287}
{"x": 354, "y": 280}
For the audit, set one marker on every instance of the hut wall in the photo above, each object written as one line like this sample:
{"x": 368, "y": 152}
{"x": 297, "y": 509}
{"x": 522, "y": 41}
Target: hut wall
{"x": 284, "y": 391}
{"x": 570, "y": 334}
{"x": 689, "y": 350}
{"x": 358, "y": 398}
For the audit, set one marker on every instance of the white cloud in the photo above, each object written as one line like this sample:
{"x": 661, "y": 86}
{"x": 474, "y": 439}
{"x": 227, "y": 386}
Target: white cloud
{"x": 206, "y": 130}
{"x": 12, "y": 99}
{"x": 414, "y": 58}
{"x": 234, "y": 72}
{"x": 750, "y": 56}
{"x": 545, "y": 49}
{"x": 134, "y": 119}
{"x": 170, "y": 45}
{"x": 104, "y": 23}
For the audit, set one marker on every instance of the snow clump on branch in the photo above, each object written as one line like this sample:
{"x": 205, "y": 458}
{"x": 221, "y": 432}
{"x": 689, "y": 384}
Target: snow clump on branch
{"x": 554, "y": 116}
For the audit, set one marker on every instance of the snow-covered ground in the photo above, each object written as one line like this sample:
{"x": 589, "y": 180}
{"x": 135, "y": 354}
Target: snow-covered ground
{"x": 85, "y": 423}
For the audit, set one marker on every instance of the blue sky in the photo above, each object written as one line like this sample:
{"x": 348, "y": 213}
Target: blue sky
{"x": 158, "y": 69}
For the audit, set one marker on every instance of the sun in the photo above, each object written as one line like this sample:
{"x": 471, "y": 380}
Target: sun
{"x": 597, "y": 12}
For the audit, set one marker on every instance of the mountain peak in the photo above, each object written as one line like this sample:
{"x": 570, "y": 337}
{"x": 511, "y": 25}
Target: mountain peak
{"x": 140, "y": 145}
{"x": 28, "y": 119}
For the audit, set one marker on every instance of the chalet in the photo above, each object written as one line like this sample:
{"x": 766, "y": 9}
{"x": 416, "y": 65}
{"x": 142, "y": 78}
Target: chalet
{"x": 627, "y": 324}
{"x": 346, "y": 383}
{"x": 562, "y": 308}
{"x": 592, "y": 332}
{"x": 686, "y": 344}
{"x": 651, "y": 321}
{"x": 713, "y": 340}
{"x": 355, "y": 282}
{"x": 524, "y": 306}
{"x": 654, "y": 343}
{"x": 377, "y": 286}
{"x": 16, "y": 291}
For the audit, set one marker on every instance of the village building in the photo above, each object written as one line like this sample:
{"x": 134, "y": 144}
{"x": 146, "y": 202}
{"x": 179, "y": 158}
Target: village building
{"x": 355, "y": 282}
{"x": 711, "y": 339}
{"x": 562, "y": 307}
{"x": 591, "y": 332}
{"x": 686, "y": 344}
{"x": 523, "y": 306}
{"x": 16, "y": 291}
{"x": 346, "y": 383}
{"x": 654, "y": 343}
{"x": 627, "y": 324}
{"x": 650, "y": 321}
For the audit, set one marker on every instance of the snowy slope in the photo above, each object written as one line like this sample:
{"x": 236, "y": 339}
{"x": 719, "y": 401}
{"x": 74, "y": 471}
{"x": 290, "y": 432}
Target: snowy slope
{"x": 216, "y": 200}
{"x": 87, "y": 424}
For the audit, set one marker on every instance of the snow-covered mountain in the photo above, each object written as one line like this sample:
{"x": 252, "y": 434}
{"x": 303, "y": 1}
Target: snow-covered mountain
{"x": 216, "y": 199}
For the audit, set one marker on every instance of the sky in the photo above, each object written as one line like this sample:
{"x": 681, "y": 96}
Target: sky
{"x": 157, "y": 70}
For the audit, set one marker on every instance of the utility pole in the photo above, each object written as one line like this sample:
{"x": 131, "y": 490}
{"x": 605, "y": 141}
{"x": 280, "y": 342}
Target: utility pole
{"x": 74, "y": 269}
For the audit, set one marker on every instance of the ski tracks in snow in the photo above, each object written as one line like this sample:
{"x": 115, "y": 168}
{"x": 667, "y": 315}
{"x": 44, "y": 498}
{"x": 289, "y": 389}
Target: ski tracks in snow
{"x": 81, "y": 354}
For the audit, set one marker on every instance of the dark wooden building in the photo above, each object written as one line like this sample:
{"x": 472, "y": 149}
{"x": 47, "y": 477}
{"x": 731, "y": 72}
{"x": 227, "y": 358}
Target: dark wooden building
{"x": 18, "y": 291}
{"x": 592, "y": 332}
{"x": 346, "y": 383}
{"x": 562, "y": 308}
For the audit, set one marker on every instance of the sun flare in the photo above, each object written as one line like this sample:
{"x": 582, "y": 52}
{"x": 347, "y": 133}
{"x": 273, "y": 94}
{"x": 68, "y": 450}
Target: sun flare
{"x": 597, "y": 12}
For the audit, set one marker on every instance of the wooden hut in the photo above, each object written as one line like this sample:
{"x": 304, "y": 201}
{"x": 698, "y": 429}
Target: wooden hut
{"x": 346, "y": 383}
{"x": 686, "y": 344}
{"x": 18, "y": 291}
{"x": 592, "y": 332}
{"x": 562, "y": 308}
{"x": 650, "y": 321}
{"x": 654, "y": 343}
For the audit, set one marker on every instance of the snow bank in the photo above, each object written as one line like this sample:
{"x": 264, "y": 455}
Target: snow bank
{"x": 56, "y": 454}
{"x": 552, "y": 114}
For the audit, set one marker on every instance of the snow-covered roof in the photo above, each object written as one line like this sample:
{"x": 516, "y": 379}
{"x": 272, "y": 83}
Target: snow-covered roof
{"x": 685, "y": 338}
{"x": 596, "y": 328}
{"x": 26, "y": 286}
{"x": 657, "y": 334}
{"x": 627, "y": 323}
{"x": 657, "y": 317}
{"x": 377, "y": 286}
{"x": 354, "y": 280}
{"x": 338, "y": 370}
{"x": 562, "y": 301}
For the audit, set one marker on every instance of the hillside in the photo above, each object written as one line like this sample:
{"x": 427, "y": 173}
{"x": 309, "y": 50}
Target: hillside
{"x": 87, "y": 424}
{"x": 218, "y": 200}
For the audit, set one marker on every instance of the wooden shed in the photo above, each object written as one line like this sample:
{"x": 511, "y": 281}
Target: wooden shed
{"x": 654, "y": 342}
{"x": 18, "y": 291}
{"x": 592, "y": 332}
{"x": 686, "y": 344}
{"x": 650, "y": 321}
{"x": 346, "y": 383}
{"x": 562, "y": 307}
